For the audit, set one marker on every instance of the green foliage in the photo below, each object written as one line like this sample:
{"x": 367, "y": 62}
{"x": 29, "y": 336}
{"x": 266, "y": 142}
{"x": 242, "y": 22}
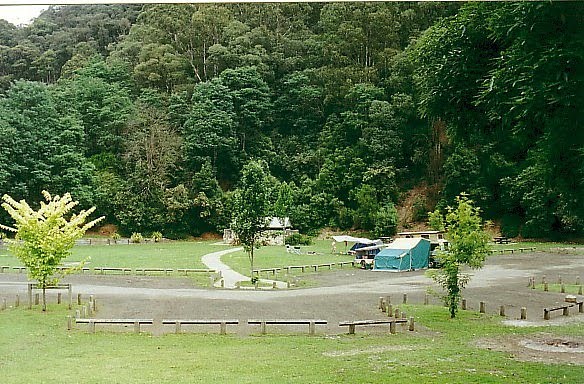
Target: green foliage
{"x": 467, "y": 247}
{"x": 436, "y": 220}
{"x": 386, "y": 221}
{"x": 43, "y": 238}
{"x": 298, "y": 239}
{"x": 156, "y": 236}
{"x": 250, "y": 207}
{"x": 136, "y": 238}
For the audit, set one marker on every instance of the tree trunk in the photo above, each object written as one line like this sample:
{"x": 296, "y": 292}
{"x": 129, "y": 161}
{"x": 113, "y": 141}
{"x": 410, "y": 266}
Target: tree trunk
{"x": 44, "y": 298}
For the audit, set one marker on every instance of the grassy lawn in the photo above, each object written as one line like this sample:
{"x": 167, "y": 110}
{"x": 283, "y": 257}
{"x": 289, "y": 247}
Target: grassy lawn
{"x": 37, "y": 348}
{"x": 540, "y": 246}
{"x": 277, "y": 257}
{"x": 180, "y": 254}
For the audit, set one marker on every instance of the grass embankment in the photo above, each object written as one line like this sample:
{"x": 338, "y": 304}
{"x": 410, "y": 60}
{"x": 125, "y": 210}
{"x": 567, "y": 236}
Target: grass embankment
{"x": 37, "y": 348}
{"x": 539, "y": 246}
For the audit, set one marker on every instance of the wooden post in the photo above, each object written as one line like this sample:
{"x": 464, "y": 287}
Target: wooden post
{"x": 79, "y": 299}
{"x": 392, "y": 327}
{"x": 91, "y": 327}
{"x": 387, "y": 299}
{"x": 581, "y": 307}
{"x": 380, "y": 303}
{"x": 17, "y": 302}
{"x": 136, "y": 326}
{"x": 223, "y": 330}
{"x": 36, "y": 299}
{"x": 288, "y": 284}
{"x": 177, "y": 326}
{"x": 84, "y": 311}
{"x": 426, "y": 299}
{"x": 222, "y": 283}
{"x": 524, "y": 313}
{"x": 412, "y": 325}
{"x": 274, "y": 285}
{"x": 263, "y": 327}
{"x": 351, "y": 329}
{"x": 543, "y": 279}
{"x": 545, "y": 287}
{"x": 4, "y": 303}
{"x": 533, "y": 283}
{"x": 70, "y": 296}
{"x": 577, "y": 280}
{"x": 389, "y": 310}
{"x": 311, "y": 328}
{"x": 59, "y": 298}
{"x": 405, "y": 298}
{"x": 397, "y": 313}
{"x": 580, "y": 290}
{"x": 562, "y": 288}
{"x": 502, "y": 310}
{"x": 566, "y": 311}
{"x": 529, "y": 281}
{"x": 482, "y": 307}
{"x": 29, "y": 296}
{"x": 546, "y": 314}
{"x": 463, "y": 304}
{"x": 69, "y": 322}
{"x": 77, "y": 314}
{"x": 559, "y": 279}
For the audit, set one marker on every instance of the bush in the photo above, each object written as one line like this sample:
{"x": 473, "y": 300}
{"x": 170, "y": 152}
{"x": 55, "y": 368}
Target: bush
{"x": 156, "y": 236}
{"x": 298, "y": 239}
{"x": 116, "y": 236}
{"x": 385, "y": 221}
{"x": 136, "y": 237}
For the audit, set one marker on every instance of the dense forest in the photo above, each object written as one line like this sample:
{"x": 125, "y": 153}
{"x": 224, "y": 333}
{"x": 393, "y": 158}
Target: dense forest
{"x": 151, "y": 112}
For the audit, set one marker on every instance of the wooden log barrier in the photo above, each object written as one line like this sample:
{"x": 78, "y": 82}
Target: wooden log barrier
{"x": 523, "y": 313}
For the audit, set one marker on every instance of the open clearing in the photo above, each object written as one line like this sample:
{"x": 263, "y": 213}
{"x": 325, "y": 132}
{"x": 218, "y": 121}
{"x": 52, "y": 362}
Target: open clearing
{"x": 473, "y": 348}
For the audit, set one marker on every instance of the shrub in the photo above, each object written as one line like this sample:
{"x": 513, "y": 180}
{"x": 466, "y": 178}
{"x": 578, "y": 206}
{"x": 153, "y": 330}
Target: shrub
{"x": 298, "y": 239}
{"x": 136, "y": 237}
{"x": 116, "y": 236}
{"x": 156, "y": 236}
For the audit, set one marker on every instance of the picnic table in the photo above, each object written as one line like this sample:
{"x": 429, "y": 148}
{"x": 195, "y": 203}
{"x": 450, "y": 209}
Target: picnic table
{"x": 501, "y": 240}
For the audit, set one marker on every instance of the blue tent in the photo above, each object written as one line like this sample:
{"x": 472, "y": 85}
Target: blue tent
{"x": 403, "y": 255}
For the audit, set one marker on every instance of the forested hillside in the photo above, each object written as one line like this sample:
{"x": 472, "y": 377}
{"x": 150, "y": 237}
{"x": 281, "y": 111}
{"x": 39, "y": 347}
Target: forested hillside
{"x": 150, "y": 112}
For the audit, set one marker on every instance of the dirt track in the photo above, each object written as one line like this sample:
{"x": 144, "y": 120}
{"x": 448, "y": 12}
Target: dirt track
{"x": 342, "y": 294}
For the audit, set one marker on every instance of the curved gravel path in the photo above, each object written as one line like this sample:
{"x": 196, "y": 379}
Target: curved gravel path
{"x": 230, "y": 277}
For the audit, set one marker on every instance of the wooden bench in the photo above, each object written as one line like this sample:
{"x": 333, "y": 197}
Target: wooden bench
{"x": 352, "y": 324}
{"x": 178, "y": 323}
{"x": 311, "y": 323}
{"x": 19, "y": 269}
{"x": 137, "y": 322}
{"x": 565, "y": 309}
{"x": 4, "y": 268}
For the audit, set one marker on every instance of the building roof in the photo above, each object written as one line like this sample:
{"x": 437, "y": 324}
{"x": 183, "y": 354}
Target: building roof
{"x": 278, "y": 222}
{"x": 420, "y": 233}
{"x": 405, "y": 243}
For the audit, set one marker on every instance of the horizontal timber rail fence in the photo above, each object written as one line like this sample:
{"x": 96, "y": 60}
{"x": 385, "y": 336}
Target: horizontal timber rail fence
{"x": 512, "y": 250}
{"x": 304, "y": 268}
{"x": 119, "y": 270}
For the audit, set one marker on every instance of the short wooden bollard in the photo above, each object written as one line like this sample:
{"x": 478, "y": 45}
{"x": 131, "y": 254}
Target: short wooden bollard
{"x": 223, "y": 330}
{"x": 482, "y": 307}
{"x": 529, "y": 281}
{"x": 381, "y": 303}
{"x": 426, "y": 299}
{"x": 502, "y": 310}
{"x": 397, "y": 313}
{"x": 389, "y": 310}
{"x": 263, "y": 327}
{"x": 222, "y": 283}
{"x": 559, "y": 279}
{"x": 17, "y": 302}
{"x": 392, "y": 327}
{"x": 311, "y": 328}
{"x": 580, "y": 290}
{"x": 562, "y": 288}
{"x": 352, "y": 329}
{"x": 405, "y": 301}
{"x": 91, "y": 327}
{"x": 274, "y": 285}
{"x": 577, "y": 280}
{"x": 79, "y": 299}
{"x": 412, "y": 324}
{"x": 36, "y": 299}
{"x": 383, "y": 307}
{"x": 463, "y": 304}
{"x": 566, "y": 311}
{"x": 523, "y": 313}
{"x": 387, "y": 299}
{"x": 77, "y": 314}
{"x": 545, "y": 287}
{"x": 4, "y": 304}
{"x": 533, "y": 283}
{"x": 69, "y": 322}
{"x": 136, "y": 327}
{"x": 59, "y": 298}
{"x": 543, "y": 279}
{"x": 546, "y": 314}
{"x": 288, "y": 284}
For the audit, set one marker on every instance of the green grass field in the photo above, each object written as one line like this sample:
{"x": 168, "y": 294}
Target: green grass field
{"x": 37, "y": 348}
{"x": 179, "y": 254}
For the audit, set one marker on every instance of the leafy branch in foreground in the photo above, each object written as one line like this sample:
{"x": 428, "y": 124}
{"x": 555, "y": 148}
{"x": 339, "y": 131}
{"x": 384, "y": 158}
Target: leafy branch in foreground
{"x": 45, "y": 237}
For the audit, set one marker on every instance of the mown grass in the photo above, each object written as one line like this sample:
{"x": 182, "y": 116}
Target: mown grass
{"x": 37, "y": 348}
{"x": 277, "y": 257}
{"x": 179, "y": 254}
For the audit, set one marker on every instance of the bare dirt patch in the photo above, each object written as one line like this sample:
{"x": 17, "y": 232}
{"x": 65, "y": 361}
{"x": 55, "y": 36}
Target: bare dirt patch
{"x": 540, "y": 347}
